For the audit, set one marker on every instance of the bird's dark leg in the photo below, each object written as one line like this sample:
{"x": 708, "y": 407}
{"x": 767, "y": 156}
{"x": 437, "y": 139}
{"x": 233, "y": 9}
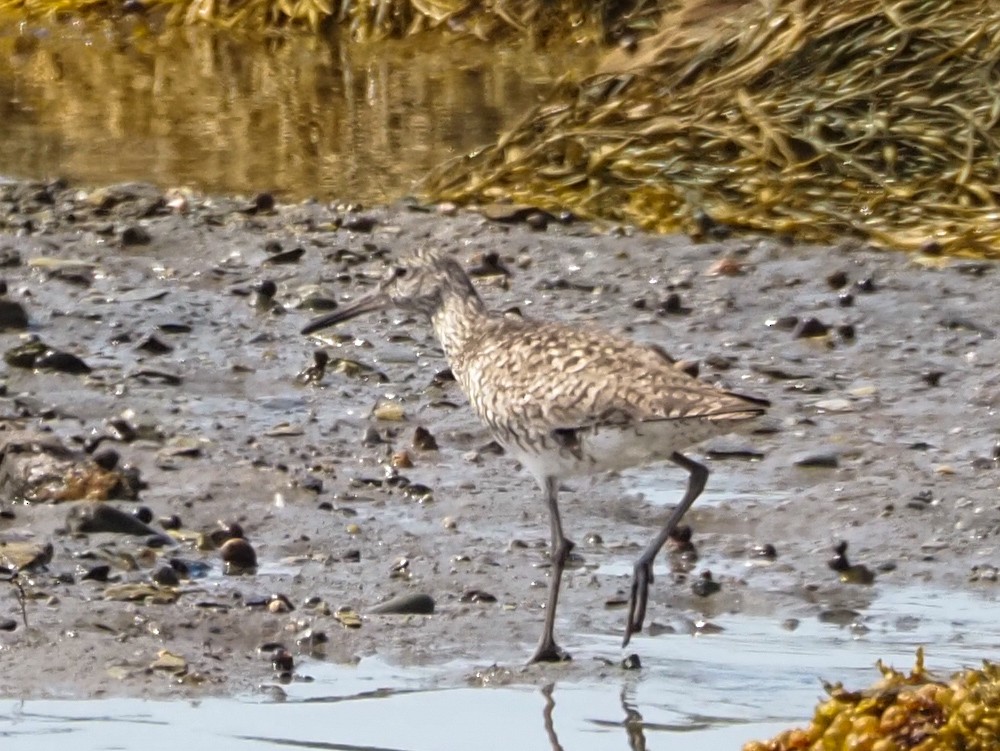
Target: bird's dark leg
{"x": 548, "y": 650}
{"x": 643, "y": 572}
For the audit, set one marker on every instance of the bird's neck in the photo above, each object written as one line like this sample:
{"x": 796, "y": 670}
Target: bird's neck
{"x": 457, "y": 320}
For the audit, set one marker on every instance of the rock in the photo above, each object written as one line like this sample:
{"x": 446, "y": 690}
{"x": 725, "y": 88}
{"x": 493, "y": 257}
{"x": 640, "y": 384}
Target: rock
{"x": 810, "y": 327}
{"x": 835, "y": 405}
{"x": 88, "y": 518}
{"x": 417, "y": 603}
{"x": 825, "y": 459}
{"x": 12, "y": 316}
{"x": 238, "y": 556}
{"x": 135, "y": 235}
{"x": 359, "y": 223}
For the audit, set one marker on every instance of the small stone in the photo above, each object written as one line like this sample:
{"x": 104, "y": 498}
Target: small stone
{"x": 632, "y": 662}
{"x": 865, "y": 285}
{"x": 282, "y": 661}
{"x": 835, "y": 405}
{"x": 820, "y": 459}
{"x": 12, "y": 315}
{"x": 837, "y": 279}
{"x": 417, "y": 603}
{"x": 286, "y": 256}
{"x": 845, "y": 299}
{"x": 107, "y": 459}
{"x": 7, "y": 624}
{"x": 449, "y": 523}
{"x": 767, "y": 552}
{"x": 135, "y": 235}
{"x": 97, "y": 573}
{"x": 810, "y": 327}
{"x": 932, "y": 377}
{"x": 537, "y": 220}
{"x": 359, "y": 223}
{"x": 238, "y": 556}
{"x": 166, "y": 576}
{"x": 477, "y": 595}
{"x": 705, "y": 585}
{"x": 401, "y": 460}
{"x": 61, "y": 362}
{"x": 100, "y": 517}
{"x": 263, "y": 202}
{"x": 154, "y": 345}
{"x": 423, "y": 440}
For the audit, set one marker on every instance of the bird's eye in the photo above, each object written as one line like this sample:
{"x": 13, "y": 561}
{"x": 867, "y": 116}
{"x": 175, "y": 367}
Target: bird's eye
{"x": 400, "y": 272}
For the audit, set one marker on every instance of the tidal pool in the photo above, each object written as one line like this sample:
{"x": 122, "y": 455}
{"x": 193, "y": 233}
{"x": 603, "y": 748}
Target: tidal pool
{"x": 710, "y": 693}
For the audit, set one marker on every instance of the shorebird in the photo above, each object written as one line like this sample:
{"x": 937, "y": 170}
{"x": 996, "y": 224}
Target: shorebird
{"x": 563, "y": 401}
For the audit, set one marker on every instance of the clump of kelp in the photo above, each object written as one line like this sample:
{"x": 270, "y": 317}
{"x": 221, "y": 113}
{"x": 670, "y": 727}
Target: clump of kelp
{"x": 378, "y": 19}
{"x": 811, "y": 119}
{"x": 915, "y": 712}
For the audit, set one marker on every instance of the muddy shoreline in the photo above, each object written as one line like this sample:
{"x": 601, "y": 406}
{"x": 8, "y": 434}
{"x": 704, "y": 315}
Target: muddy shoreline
{"x": 883, "y": 434}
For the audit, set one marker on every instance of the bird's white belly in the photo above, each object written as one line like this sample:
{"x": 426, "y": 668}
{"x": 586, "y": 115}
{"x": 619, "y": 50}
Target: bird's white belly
{"x": 608, "y": 448}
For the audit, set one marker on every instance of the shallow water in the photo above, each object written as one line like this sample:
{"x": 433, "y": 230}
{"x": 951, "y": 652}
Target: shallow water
{"x": 702, "y": 692}
{"x": 300, "y": 117}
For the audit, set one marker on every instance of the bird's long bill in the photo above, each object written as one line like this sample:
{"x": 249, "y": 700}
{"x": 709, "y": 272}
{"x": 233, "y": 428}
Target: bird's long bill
{"x": 367, "y": 304}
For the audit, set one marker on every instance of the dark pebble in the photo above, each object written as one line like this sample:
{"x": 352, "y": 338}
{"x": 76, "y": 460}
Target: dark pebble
{"x": 823, "y": 459}
{"x": 785, "y": 323}
{"x": 423, "y": 440}
{"x": 288, "y": 256}
{"x": 282, "y": 660}
{"x": 135, "y": 235}
{"x": 12, "y": 315}
{"x": 422, "y": 604}
{"x": 166, "y": 576}
{"x": 847, "y": 332}
{"x": 107, "y": 459}
{"x": 932, "y": 377}
{"x": 705, "y": 585}
{"x": 154, "y": 345}
{"x": 97, "y": 573}
{"x": 266, "y": 288}
{"x": 865, "y": 285}
{"x": 632, "y": 662}
{"x": 845, "y": 300}
{"x": 767, "y": 551}
{"x": 263, "y": 202}
{"x": 143, "y": 514}
{"x": 62, "y": 362}
{"x": 477, "y": 595}
{"x": 238, "y": 555}
{"x": 100, "y": 517}
{"x": 837, "y": 279}
{"x": 170, "y": 522}
{"x": 7, "y": 624}
{"x": 359, "y": 223}
{"x": 671, "y": 305}
{"x": 810, "y": 327}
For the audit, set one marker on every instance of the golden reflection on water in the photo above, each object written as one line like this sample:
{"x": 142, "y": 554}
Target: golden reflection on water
{"x": 300, "y": 116}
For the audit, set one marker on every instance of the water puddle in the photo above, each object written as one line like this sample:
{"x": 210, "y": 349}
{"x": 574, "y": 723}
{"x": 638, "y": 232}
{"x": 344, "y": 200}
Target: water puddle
{"x": 707, "y": 692}
{"x": 301, "y": 116}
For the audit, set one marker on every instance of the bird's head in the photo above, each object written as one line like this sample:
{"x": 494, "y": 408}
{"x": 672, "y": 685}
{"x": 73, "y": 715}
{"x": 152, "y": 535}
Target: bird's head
{"x": 419, "y": 283}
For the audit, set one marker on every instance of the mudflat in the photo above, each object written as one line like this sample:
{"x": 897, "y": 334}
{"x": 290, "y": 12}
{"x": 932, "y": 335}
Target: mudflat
{"x": 369, "y": 479}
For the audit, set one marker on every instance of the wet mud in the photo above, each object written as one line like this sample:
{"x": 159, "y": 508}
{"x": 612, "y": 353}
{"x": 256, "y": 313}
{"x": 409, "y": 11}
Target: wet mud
{"x": 361, "y": 478}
